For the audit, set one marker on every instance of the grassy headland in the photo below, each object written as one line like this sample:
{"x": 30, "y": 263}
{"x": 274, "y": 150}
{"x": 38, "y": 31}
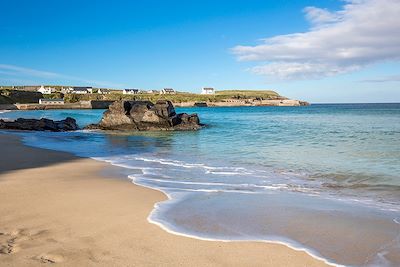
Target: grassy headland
{"x": 9, "y": 96}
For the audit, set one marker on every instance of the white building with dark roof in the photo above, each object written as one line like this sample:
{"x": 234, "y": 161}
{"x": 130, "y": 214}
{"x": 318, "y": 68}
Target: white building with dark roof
{"x": 103, "y": 91}
{"x": 46, "y": 90}
{"x": 207, "y": 91}
{"x": 167, "y": 91}
{"x": 79, "y": 90}
{"x": 130, "y": 91}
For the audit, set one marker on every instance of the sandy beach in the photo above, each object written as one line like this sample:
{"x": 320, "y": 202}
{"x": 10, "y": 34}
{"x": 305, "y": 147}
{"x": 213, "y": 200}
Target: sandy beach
{"x": 58, "y": 208}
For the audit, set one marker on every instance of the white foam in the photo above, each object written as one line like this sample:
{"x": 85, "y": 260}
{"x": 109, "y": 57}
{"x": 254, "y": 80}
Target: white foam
{"x": 175, "y": 194}
{"x": 165, "y": 227}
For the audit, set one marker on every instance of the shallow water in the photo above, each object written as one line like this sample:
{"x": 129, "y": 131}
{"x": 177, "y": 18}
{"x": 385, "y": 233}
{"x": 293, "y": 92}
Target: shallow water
{"x": 324, "y": 177}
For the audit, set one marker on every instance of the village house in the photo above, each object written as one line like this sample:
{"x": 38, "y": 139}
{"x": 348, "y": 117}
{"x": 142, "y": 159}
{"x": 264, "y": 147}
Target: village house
{"x": 207, "y": 91}
{"x": 46, "y": 90}
{"x": 130, "y": 91}
{"x": 66, "y": 90}
{"x": 103, "y": 91}
{"x": 44, "y": 101}
{"x": 167, "y": 91}
{"x": 153, "y": 92}
{"x": 79, "y": 90}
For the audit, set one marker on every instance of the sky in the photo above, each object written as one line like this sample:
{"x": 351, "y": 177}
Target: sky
{"x": 329, "y": 51}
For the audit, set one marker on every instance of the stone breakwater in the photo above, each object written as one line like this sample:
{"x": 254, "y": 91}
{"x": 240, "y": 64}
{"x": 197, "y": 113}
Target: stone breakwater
{"x": 145, "y": 116}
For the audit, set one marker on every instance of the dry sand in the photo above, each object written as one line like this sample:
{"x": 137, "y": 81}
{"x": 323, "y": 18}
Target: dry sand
{"x": 57, "y": 208}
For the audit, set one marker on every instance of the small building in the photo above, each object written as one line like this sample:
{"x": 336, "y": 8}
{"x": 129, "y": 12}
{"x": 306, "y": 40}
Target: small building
{"x": 207, "y": 91}
{"x": 168, "y": 91}
{"x": 80, "y": 90}
{"x": 66, "y": 90}
{"x": 153, "y": 92}
{"x": 48, "y": 101}
{"x": 130, "y": 91}
{"x": 103, "y": 91}
{"x": 46, "y": 90}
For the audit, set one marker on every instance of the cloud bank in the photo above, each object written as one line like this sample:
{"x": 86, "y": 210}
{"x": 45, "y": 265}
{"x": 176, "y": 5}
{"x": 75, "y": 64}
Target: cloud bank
{"x": 362, "y": 33}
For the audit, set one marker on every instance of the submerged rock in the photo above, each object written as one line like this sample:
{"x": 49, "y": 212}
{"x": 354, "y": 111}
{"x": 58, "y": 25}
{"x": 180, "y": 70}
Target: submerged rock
{"x": 69, "y": 124}
{"x": 145, "y": 116}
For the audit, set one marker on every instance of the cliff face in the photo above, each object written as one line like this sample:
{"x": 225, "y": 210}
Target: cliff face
{"x": 145, "y": 116}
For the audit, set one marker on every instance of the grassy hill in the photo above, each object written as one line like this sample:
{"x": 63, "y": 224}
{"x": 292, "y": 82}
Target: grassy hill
{"x": 179, "y": 97}
{"x": 14, "y": 96}
{"x": 249, "y": 94}
{"x": 8, "y": 96}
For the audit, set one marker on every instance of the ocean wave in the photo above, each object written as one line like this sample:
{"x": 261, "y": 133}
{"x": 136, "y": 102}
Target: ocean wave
{"x": 264, "y": 180}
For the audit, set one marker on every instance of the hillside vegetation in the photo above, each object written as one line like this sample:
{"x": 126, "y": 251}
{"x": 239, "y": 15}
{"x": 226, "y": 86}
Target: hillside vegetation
{"x": 8, "y": 96}
{"x": 179, "y": 97}
{"x": 22, "y": 97}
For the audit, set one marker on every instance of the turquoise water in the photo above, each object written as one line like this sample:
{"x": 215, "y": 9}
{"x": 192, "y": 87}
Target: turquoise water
{"x": 322, "y": 163}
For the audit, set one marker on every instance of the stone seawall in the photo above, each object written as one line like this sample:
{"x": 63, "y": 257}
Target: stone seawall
{"x": 95, "y": 104}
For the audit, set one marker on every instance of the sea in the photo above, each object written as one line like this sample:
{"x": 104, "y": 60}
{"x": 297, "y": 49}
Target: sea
{"x": 323, "y": 178}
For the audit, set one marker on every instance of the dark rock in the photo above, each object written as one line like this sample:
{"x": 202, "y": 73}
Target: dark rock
{"x": 69, "y": 124}
{"x": 145, "y": 116}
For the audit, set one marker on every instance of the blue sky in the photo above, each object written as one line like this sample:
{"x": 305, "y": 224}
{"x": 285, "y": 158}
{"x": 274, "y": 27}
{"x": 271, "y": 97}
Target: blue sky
{"x": 189, "y": 44}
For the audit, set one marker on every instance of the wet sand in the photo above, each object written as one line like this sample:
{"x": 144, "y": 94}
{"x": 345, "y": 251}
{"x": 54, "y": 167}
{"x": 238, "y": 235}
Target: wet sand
{"x": 57, "y": 208}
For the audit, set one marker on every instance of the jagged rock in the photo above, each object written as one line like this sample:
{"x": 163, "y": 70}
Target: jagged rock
{"x": 69, "y": 124}
{"x": 145, "y": 116}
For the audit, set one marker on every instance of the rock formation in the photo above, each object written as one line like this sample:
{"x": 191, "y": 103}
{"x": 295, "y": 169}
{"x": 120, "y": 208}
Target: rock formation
{"x": 69, "y": 124}
{"x": 145, "y": 116}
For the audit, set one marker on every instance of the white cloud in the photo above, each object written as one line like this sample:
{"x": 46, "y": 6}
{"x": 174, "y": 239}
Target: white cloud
{"x": 319, "y": 16}
{"x": 15, "y": 70}
{"x": 46, "y": 76}
{"x": 363, "y": 32}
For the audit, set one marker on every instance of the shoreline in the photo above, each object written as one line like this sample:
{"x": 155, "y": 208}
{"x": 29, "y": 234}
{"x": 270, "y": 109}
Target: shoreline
{"x": 290, "y": 246}
{"x": 29, "y": 240}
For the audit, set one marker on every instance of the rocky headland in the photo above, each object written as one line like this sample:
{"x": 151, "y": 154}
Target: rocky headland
{"x": 146, "y": 116}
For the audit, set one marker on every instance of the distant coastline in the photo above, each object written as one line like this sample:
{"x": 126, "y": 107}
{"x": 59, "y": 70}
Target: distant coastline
{"x": 39, "y": 99}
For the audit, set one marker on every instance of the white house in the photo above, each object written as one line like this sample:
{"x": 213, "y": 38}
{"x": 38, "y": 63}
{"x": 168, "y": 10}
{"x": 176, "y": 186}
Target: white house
{"x": 66, "y": 90}
{"x": 81, "y": 90}
{"x": 46, "y": 90}
{"x": 153, "y": 92}
{"x": 207, "y": 91}
{"x": 104, "y": 91}
{"x": 167, "y": 91}
{"x": 130, "y": 91}
{"x": 44, "y": 101}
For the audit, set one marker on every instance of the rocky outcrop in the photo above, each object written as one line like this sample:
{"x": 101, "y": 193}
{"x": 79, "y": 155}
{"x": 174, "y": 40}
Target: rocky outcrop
{"x": 69, "y": 124}
{"x": 145, "y": 116}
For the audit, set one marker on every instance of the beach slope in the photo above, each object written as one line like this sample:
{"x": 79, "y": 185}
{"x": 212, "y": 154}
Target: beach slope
{"x": 58, "y": 208}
